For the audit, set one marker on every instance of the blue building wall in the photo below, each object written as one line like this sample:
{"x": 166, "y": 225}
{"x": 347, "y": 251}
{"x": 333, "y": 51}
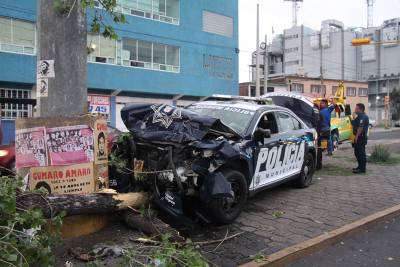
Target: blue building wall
{"x": 193, "y": 79}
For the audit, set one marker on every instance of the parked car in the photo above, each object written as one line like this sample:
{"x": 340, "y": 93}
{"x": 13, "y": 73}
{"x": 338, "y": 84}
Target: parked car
{"x": 372, "y": 123}
{"x": 7, "y": 159}
{"x": 205, "y": 160}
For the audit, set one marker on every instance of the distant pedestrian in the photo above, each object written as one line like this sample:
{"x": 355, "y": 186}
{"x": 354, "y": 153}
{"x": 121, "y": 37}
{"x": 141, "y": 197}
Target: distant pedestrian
{"x": 326, "y": 111}
{"x": 360, "y": 130}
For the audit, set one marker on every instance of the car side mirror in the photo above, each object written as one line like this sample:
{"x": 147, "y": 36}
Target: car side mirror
{"x": 347, "y": 109}
{"x": 260, "y": 134}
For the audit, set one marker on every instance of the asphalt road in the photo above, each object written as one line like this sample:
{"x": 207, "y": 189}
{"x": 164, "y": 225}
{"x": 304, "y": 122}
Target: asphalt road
{"x": 384, "y": 135}
{"x": 378, "y": 246}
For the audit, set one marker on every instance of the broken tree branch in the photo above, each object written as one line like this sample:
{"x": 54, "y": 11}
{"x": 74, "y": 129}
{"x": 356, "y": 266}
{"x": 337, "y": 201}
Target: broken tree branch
{"x": 95, "y": 203}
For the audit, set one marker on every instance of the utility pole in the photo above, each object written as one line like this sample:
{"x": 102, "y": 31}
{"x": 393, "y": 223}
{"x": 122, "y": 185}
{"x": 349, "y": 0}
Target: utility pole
{"x": 266, "y": 66}
{"x": 62, "y": 44}
{"x": 258, "y": 53}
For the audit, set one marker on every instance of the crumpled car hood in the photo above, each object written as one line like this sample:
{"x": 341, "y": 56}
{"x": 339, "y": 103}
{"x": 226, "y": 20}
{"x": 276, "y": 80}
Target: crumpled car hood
{"x": 165, "y": 123}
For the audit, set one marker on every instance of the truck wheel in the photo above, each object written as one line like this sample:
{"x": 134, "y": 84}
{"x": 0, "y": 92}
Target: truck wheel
{"x": 307, "y": 171}
{"x": 335, "y": 141}
{"x": 226, "y": 210}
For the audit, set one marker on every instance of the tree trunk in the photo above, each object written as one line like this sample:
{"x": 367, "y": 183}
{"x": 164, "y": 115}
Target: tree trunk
{"x": 81, "y": 204}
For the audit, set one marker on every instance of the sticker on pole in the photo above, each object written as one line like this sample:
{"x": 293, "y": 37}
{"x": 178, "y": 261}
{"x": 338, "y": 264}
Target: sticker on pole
{"x": 70, "y": 145}
{"x": 30, "y": 149}
{"x": 74, "y": 179}
{"x": 42, "y": 87}
{"x": 45, "y": 69}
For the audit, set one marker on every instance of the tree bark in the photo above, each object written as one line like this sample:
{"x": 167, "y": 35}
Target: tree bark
{"x": 81, "y": 204}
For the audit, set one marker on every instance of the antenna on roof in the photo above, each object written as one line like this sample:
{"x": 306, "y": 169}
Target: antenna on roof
{"x": 370, "y": 13}
{"x": 295, "y": 7}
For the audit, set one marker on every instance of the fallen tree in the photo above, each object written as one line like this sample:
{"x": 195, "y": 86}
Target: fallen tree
{"x": 96, "y": 203}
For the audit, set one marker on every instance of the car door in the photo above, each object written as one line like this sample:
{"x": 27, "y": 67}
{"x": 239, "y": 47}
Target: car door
{"x": 281, "y": 155}
{"x": 293, "y": 143}
{"x": 266, "y": 151}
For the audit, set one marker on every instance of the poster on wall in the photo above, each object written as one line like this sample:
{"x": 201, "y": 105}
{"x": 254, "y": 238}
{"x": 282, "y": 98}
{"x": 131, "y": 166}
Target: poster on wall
{"x": 99, "y": 104}
{"x": 73, "y": 179}
{"x": 42, "y": 88}
{"x": 70, "y": 145}
{"x": 30, "y": 149}
{"x": 100, "y": 141}
{"x": 45, "y": 69}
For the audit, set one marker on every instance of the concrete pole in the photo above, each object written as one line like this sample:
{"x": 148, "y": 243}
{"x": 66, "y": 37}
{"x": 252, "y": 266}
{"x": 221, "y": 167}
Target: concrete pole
{"x": 266, "y": 66}
{"x": 258, "y": 53}
{"x": 62, "y": 38}
{"x": 342, "y": 52}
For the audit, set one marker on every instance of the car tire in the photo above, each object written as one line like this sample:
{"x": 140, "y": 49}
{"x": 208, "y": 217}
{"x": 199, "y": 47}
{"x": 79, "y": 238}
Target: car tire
{"x": 11, "y": 166}
{"x": 335, "y": 141}
{"x": 221, "y": 210}
{"x": 307, "y": 171}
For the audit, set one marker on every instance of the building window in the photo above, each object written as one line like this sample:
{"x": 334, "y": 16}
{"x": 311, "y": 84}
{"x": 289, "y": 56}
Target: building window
{"x": 351, "y": 91}
{"x": 290, "y": 50}
{"x": 17, "y": 36}
{"x": 292, "y": 63}
{"x": 334, "y": 90}
{"x": 219, "y": 67}
{"x": 362, "y": 91}
{"x": 297, "y": 87}
{"x": 318, "y": 89}
{"x": 104, "y": 49}
{"x": 291, "y": 36}
{"x": 217, "y": 24}
{"x": 142, "y": 54}
{"x": 12, "y": 110}
{"x": 161, "y": 10}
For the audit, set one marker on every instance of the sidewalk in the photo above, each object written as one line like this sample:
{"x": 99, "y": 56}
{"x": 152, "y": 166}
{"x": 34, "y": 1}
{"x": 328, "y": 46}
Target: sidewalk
{"x": 380, "y": 129}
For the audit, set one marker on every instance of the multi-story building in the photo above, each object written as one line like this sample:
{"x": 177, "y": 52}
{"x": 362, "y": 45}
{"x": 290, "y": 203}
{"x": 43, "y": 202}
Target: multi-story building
{"x": 169, "y": 51}
{"x": 327, "y": 53}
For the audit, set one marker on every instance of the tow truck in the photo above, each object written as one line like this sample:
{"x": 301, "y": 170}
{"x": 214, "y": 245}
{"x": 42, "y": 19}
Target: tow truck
{"x": 341, "y": 128}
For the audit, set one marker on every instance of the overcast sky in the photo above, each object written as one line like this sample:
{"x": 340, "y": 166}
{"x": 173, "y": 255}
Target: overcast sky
{"x": 278, "y": 14}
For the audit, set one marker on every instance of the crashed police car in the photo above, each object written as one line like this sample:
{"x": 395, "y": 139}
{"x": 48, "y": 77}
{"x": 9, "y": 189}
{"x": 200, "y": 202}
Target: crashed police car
{"x": 203, "y": 161}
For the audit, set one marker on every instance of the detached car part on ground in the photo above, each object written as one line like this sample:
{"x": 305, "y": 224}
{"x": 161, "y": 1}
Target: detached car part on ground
{"x": 203, "y": 161}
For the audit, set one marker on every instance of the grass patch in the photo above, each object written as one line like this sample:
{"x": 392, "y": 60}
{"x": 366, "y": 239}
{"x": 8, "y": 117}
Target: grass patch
{"x": 394, "y": 159}
{"x": 334, "y": 170}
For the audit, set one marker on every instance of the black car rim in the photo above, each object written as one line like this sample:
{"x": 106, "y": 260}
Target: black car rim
{"x": 308, "y": 170}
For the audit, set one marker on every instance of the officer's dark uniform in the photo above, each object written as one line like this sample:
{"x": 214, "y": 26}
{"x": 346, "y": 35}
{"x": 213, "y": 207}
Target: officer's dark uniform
{"x": 362, "y": 121}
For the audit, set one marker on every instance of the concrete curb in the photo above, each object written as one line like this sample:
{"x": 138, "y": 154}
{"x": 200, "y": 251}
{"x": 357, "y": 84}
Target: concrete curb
{"x": 290, "y": 254}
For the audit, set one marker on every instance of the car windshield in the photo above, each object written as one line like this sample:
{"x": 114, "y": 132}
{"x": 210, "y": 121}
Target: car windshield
{"x": 235, "y": 118}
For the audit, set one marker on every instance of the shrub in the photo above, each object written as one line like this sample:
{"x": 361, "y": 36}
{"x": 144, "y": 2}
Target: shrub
{"x": 25, "y": 236}
{"x": 380, "y": 153}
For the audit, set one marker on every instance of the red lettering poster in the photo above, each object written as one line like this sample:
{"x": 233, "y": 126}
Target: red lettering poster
{"x": 74, "y": 179}
{"x": 30, "y": 149}
{"x": 70, "y": 145}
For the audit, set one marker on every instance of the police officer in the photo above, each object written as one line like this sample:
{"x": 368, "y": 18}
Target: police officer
{"x": 360, "y": 131}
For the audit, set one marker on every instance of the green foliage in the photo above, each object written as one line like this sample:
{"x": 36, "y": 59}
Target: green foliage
{"x": 25, "y": 236}
{"x": 99, "y": 24}
{"x": 166, "y": 254}
{"x": 277, "y": 214}
{"x": 380, "y": 153}
{"x": 119, "y": 158}
{"x": 259, "y": 257}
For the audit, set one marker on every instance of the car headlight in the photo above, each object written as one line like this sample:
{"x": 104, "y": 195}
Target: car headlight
{"x": 3, "y": 153}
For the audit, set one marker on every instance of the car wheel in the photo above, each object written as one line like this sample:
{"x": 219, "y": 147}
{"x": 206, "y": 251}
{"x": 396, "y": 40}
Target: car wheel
{"x": 226, "y": 210}
{"x": 307, "y": 172}
{"x": 335, "y": 141}
{"x": 11, "y": 166}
